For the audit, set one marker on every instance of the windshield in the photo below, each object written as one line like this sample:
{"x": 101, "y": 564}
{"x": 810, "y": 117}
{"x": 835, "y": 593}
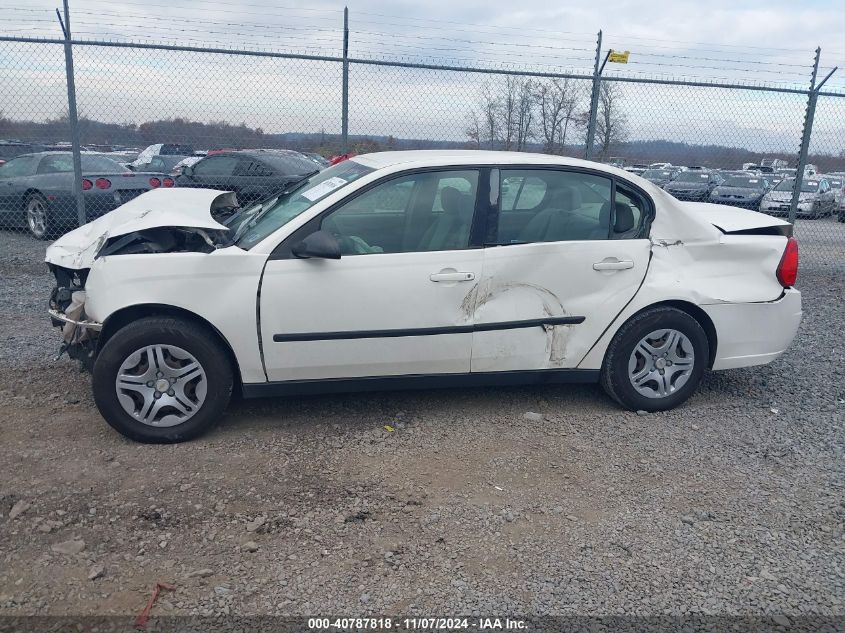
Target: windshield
{"x": 692, "y": 176}
{"x": 258, "y": 222}
{"x": 743, "y": 182}
{"x": 808, "y": 186}
{"x": 656, "y": 173}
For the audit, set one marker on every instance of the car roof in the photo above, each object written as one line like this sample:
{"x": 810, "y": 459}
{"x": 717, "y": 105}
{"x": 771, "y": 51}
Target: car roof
{"x": 425, "y": 157}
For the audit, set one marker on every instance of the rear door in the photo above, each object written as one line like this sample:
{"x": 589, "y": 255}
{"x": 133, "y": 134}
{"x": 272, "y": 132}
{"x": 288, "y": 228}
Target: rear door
{"x": 558, "y": 268}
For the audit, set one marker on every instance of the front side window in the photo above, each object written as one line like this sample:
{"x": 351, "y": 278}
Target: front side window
{"x": 21, "y": 166}
{"x": 426, "y": 211}
{"x": 558, "y": 206}
{"x": 216, "y": 166}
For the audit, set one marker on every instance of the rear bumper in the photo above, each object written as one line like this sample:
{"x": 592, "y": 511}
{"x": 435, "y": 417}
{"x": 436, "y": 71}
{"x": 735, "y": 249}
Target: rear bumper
{"x": 754, "y": 333}
{"x": 753, "y": 205}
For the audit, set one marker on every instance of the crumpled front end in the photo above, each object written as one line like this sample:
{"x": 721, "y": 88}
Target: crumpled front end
{"x": 67, "y": 312}
{"x": 156, "y": 222}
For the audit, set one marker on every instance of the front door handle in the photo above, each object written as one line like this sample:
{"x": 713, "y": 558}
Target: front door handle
{"x": 452, "y": 276}
{"x": 611, "y": 263}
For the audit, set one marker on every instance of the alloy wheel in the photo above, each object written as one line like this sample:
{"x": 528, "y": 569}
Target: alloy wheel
{"x": 661, "y": 363}
{"x": 36, "y": 217}
{"x": 161, "y": 385}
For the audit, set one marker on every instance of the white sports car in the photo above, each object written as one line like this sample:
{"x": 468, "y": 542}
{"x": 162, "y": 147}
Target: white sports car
{"x": 418, "y": 269}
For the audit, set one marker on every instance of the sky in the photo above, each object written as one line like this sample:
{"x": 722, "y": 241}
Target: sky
{"x": 769, "y": 43}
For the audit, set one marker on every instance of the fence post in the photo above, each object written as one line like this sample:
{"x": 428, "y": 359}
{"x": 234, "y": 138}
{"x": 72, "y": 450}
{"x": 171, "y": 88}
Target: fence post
{"x": 594, "y": 103}
{"x": 805, "y": 139}
{"x": 344, "y": 116}
{"x": 73, "y": 119}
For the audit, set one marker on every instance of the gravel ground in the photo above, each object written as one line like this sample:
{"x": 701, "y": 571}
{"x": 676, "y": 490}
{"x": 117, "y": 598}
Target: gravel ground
{"x": 732, "y": 504}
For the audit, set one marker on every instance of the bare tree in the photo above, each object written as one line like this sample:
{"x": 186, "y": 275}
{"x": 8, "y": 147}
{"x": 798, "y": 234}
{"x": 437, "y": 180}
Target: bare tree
{"x": 611, "y": 122}
{"x": 524, "y": 119}
{"x": 473, "y": 129}
{"x": 507, "y": 111}
{"x": 557, "y": 103}
{"x": 490, "y": 109}
{"x": 505, "y": 118}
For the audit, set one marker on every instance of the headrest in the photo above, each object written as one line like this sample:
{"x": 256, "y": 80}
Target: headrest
{"x": 451, "y": 200}
{"x": 562, "y": 199}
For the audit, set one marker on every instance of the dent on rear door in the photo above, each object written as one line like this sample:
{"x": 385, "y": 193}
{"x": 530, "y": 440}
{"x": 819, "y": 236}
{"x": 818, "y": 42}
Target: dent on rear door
{"x": 549, "y": 282}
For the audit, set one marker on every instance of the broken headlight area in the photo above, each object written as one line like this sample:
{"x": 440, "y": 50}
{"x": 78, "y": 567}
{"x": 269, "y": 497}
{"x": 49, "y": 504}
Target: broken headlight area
{"x": 67, "y": 312}
{"x": 165, "y": 240}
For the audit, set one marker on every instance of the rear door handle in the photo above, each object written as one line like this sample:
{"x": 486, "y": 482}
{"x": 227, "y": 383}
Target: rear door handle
{"x": 452, "y": 276}
{"x": 613, "y": 264}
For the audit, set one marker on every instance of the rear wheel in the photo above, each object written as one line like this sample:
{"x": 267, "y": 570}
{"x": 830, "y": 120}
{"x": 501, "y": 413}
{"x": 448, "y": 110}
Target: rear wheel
{"x": 656, "y": 360}
{"x": 37, "y": 217}
{"x": 162, "y": 380}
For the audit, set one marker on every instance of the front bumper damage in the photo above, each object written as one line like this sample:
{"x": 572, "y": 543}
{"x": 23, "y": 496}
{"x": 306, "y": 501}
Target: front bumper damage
{"x": 67, "y": 312}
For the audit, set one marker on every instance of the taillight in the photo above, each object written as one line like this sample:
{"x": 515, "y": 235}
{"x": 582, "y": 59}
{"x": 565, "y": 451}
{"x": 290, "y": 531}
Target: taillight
{"x": 86, "y": 184}
{"x": 167, "y": 182}
{"x": 155, "y": 182}
{"x": 102, "y": 183}
{"x": 787, "y": 271}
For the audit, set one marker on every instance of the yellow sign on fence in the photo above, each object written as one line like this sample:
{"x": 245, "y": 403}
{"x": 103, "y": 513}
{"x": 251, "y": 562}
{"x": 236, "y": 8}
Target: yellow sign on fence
{"x": 618, "y": 57}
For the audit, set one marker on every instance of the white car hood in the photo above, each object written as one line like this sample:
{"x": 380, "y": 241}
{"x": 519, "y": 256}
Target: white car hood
{"x": 190, "y": 208}
{"x": 732, "y": 219}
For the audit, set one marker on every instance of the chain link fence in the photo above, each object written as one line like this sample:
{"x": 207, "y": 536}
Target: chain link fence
{"x": 146, "y": 111}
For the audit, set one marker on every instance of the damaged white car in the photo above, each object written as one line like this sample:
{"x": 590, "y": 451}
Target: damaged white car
{"x": 418, "y": 269}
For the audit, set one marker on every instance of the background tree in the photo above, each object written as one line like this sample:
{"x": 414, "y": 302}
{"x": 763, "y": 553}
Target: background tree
{"x": 557, "y": 104}
{"x": 611, "y": 122}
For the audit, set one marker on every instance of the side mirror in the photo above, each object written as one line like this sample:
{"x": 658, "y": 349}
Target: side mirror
{"x": 188, "y": 170}
{"x": 320, "y": 244}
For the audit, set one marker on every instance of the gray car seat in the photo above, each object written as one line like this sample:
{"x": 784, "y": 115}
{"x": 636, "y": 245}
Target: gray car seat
{"x": 552, "y": 224}
{"x": 451, "y": 229}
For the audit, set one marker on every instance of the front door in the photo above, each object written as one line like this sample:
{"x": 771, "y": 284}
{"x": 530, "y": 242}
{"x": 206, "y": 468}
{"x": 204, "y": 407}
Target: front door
{"x": 569, "y": 254}
{"x": 395, "y": 302}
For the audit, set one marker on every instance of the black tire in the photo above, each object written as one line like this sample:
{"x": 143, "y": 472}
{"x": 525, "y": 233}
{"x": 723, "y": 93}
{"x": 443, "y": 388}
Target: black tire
{"x": 615, "y": 375}
{"x": 198, "y": 341}
{"x": 36, "y": 206}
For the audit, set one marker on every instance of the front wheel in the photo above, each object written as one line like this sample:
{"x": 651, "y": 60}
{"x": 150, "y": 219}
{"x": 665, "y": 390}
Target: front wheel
{"x": 656, "y": 360}
{"x": 162, "y": 380}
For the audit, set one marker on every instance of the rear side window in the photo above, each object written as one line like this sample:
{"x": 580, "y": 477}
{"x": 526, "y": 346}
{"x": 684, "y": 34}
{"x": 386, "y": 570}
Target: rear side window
{"x": 629, "y": 213}
{"x": 544, "y": 205}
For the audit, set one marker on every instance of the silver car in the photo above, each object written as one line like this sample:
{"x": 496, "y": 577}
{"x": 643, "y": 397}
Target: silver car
{"x": 816, "y": 199}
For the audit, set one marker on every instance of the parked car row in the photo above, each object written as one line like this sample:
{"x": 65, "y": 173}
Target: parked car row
{"x": 37, "y": 192}
{"x": 766, "y": 188}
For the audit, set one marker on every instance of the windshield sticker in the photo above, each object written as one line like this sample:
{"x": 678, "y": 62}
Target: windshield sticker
{"x": 324, "y": 188}
{"x": 703, "y": 176}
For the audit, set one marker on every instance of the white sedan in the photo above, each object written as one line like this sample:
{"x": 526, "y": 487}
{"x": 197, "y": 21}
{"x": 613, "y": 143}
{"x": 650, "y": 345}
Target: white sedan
{"x": 418, "y": 269}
